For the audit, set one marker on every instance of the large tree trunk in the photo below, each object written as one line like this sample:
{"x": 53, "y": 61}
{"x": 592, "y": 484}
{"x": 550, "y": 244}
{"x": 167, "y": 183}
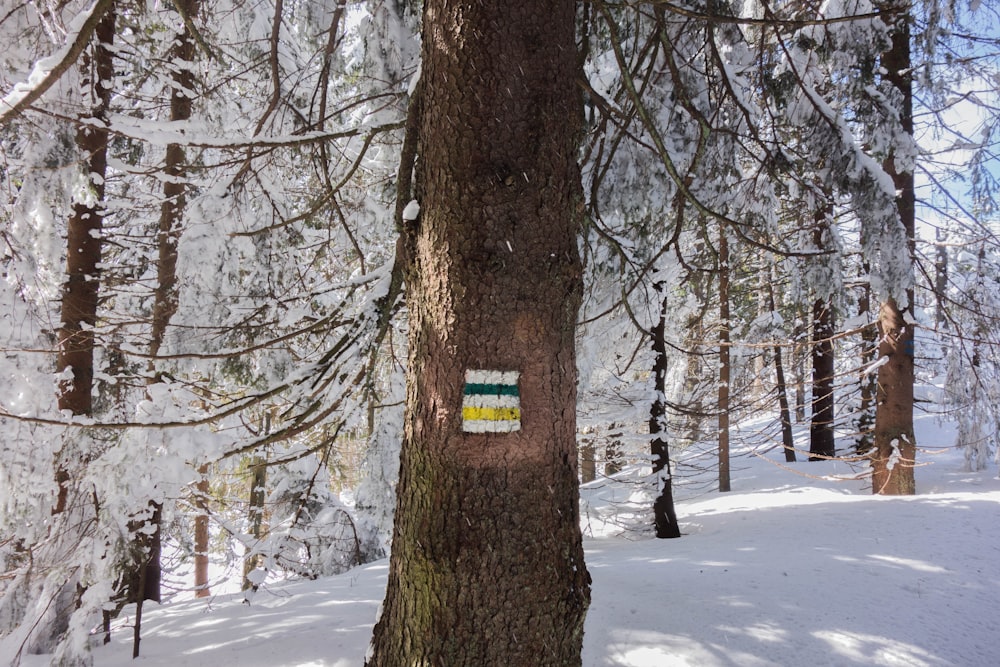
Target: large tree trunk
{"x": 75, "y": 354}
{"x": 894, "y": 452}
{"x": 75, "y": 358}
{"x": 487, "y": 560}
{"x": 894, "y": 443}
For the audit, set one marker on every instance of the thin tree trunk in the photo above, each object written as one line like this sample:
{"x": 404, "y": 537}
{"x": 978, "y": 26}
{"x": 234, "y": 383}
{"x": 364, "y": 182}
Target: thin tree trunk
{"x": 940, "y": 277}
{"x": 787, "y": 440}
{"x": 201, "y": 536}
{"x": 822, "y": 444}
{"x": 147, "y": 540}
{"x": 664, "y": 516}
{"x": 725, "y": 369}
{"x": 798, "y": 364}
{"x": 255, "y": 517}
{"x": 487, "y": 561}
{"x": 894, "y": 453}
{"x": 588, "y": 465}
{"x": 613, "y": 451}
{"x": 865, "y": 422}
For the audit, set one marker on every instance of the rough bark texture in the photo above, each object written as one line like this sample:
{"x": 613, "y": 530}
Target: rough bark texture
{"x": 894, "y": 452}
{"x": 487, "y": 561}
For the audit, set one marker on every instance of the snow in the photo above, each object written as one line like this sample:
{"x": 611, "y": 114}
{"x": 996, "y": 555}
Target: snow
{"x": 412, "y": 211}
{"x": 795, "y": 566}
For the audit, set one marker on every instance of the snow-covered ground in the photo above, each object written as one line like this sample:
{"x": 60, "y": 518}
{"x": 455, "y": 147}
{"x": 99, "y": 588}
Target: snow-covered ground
{"x": 788, "y": 569}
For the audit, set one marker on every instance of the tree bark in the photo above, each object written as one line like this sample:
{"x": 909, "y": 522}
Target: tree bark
{"x": 865, "y": 421}
{"x": 894, "y": 451}
{"x": 940, "y": 277}
{"x": 613, "y": 451}
{"x": 822, "y": 445}
{"x": 201, "y": 536}
{"x": 784, "y": 414}
{"x": 255, "y": 519}
{"x": 725, "y": 368}
{"x": 894, "y": 441}
{"x": 144, "y": 582}
{"x": 664, "y": 516}
{"x": 75, "y": 358}
{"x": 487, "y": 562}
{"x": 588, "y": 463}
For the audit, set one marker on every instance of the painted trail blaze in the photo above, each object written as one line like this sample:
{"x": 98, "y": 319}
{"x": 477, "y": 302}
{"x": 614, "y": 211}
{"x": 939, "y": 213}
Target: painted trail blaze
{"x": 491, "y": 402}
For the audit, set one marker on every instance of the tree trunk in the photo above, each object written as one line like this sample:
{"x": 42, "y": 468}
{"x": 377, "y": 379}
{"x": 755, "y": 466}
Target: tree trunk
{"x": 894, "y": 452}
{"x": 725, "y": 369}
{"x": 144, "y": 582}
{"x": 869, "y": 344}
{"x": 75, "y": 358}
{"x": 798, "y": 365}
{"x": 147, "y": 533}
{"x": 255, "y": 517}
{"x": 613, "y": 451}
{"x": 822, "y": 445}
{"x": 664, "y": 517}
{"x": 201, "y": 536}
{"x": 588, "y": 464}
{"x": 487, "y": 560}
{"x": 78, "y": 317}
{"x": 940, "y": 277}
{"x": 784, "y": 414}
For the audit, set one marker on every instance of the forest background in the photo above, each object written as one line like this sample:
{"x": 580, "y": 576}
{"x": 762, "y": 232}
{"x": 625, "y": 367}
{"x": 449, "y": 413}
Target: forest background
{"x": 204, "y": 327}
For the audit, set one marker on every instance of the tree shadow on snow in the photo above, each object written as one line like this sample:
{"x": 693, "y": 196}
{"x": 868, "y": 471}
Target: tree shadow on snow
{"x": 877, "y": 582}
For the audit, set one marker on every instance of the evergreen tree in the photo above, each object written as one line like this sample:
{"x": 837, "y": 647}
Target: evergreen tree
{"x": 487, "y": 561}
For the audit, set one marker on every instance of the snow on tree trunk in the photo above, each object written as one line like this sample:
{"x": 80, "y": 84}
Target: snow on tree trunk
{"x": 664, "y": 515}
{"x": 75, "y": 358}
{"x": 487, "y": 562}
{"x": 725, "y": 367}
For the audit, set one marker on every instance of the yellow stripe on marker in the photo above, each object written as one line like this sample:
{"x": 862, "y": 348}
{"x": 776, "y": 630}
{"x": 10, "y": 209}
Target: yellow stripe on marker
{"x": 472, "y": 413}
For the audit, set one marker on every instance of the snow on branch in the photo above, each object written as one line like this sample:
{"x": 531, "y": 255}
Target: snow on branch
{"x": 48, "y": 70}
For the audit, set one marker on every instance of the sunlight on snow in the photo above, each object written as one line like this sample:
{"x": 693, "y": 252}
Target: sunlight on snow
{"x": 917, "y": 565}
{"x": 875, "y": 650}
